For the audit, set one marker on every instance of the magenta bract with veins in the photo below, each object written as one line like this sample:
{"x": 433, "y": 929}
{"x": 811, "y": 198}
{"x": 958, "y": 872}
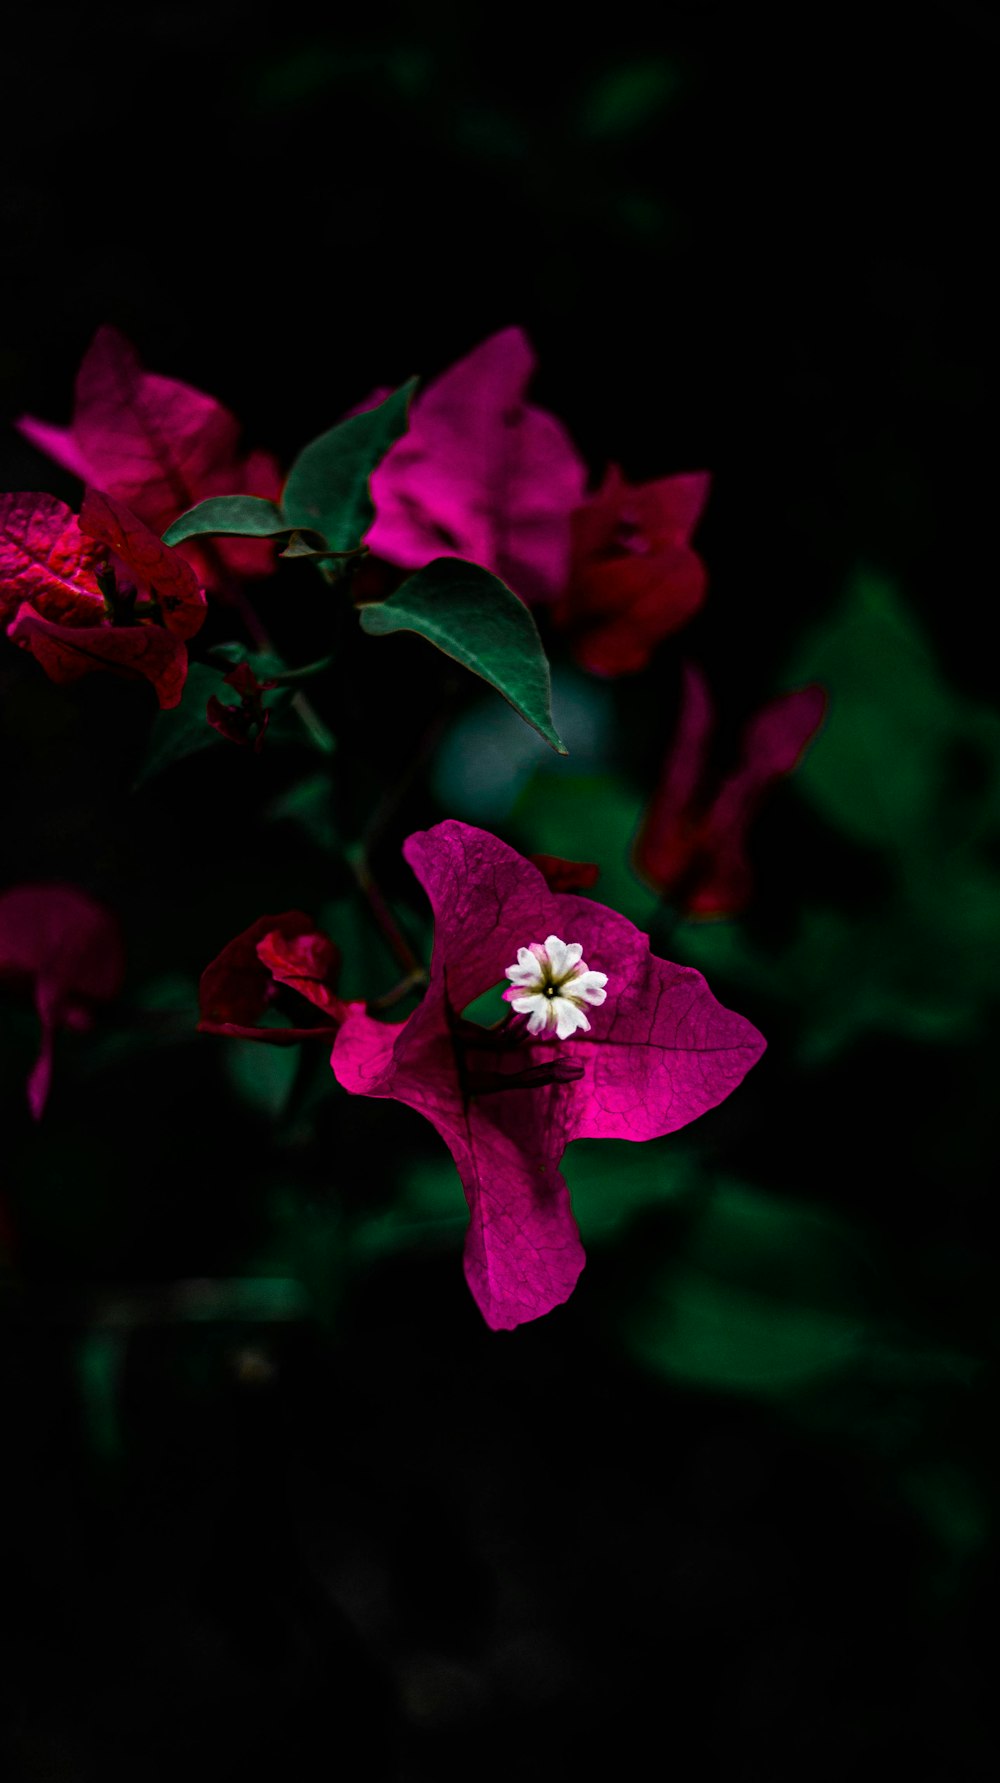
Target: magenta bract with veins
{"x": 160, "y": 446}
{"x": 67, "y": 947}
{"x": 653, "y": 1051}
{"x": 482, "y": 474}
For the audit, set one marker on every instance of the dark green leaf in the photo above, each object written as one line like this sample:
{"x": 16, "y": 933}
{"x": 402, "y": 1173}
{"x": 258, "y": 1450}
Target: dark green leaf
{"x": 473, "y": 616}
{"x": 328, "y": 485}
{"x": 264, "y": 665}
{"x": 309, "y": 805}
{"x": 185, "y": 730}
{"x": 766, "y": 1297}
{"x": 236, "y": 516}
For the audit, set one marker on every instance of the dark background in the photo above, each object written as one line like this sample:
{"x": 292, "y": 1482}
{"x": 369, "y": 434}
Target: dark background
{"x": 376, "y": 1540}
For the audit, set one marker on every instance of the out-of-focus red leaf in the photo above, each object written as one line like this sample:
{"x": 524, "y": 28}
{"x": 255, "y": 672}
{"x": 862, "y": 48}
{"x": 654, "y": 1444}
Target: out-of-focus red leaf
{"x": 692, "y": 845}
{"x": 634, "y": 576}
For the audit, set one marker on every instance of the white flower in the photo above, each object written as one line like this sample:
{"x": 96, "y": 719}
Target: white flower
{"x": 554, "y": 983}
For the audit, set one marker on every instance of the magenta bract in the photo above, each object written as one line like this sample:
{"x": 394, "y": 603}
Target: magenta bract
{"x": 658, "y": 1052}
{"x": 693, "y": 839}
{"x": 67, "y": 947}
{"x": 482, "y": 474}
{"x": 160, "y": 446}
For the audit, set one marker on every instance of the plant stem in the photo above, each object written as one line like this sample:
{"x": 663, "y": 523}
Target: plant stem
{"x": 377, "y": 904}
{"x": 260, "y": 637}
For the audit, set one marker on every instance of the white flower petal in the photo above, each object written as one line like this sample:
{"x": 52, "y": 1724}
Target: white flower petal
{"x": 589, "y": 986}
{"x": 592, "y": 994}
{"x": 522, "y": 974}
{"x": 574, "y": 952}
{"x": 568, "y": 1017}
{"x": 556, "y": 951}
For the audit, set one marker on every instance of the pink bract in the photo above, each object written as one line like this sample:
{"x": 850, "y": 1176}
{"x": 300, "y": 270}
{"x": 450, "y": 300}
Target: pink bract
{"x": 660, "y": 1051}
{"x": 67, "y": 947}
{"x": 692, "y": 845}
{"x": 482, "y": 474}
{"x": 160, "y": 446}
{"x": 635, "y": 576}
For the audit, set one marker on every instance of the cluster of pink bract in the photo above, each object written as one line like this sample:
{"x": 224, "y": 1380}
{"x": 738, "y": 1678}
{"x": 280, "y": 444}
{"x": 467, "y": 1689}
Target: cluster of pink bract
{"x": 600, "y": 1038}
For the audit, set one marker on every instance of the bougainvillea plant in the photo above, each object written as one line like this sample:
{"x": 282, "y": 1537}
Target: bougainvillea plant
{"x": 602, "y": 1041}
{"x": 466, "y": 509}
{"x": 159, "y": 446}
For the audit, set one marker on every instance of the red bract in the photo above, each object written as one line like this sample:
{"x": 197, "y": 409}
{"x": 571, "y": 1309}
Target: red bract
{"x": 146, "y": 562}
{"x": 482, "y": 474}
{"x": 67, "y": 947}
{"x": 634, "y": 576}
{"x": 160, "y": 446}
{"x": 692, "y": 843}
{"x": 247, "y": 722}
{"x": 77, "y": 610}
{"x": 241, "y": 983}
{"x": 650, "y": 1053}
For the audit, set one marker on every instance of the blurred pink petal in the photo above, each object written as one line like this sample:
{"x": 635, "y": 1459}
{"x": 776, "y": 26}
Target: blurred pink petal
{"x": 67, "y": 947}
{"x": 482, "y": 474}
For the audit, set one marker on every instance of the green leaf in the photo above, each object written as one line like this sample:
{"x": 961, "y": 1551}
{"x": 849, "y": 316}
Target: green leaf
{"x": 628, "y": 98}
{"x": 473, "y": 617}
{"x": 328, "y": 485}
{"x": 264, "y": 665}
{"x": 185, "y": 730}
{"x": 100, "y": 1364}
{"x": 766, "y": 1298}
{"x": 262, "y": 1076}
{"x": 587, "y": 817}
{"x": 236, "y": 516}
{"x": 881, "y": 770}
{"x": 309, "y": 805}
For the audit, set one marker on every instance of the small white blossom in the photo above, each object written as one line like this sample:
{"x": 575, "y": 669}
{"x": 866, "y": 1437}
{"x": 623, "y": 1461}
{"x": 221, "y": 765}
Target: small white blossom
{"x": 554, "y": 983}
